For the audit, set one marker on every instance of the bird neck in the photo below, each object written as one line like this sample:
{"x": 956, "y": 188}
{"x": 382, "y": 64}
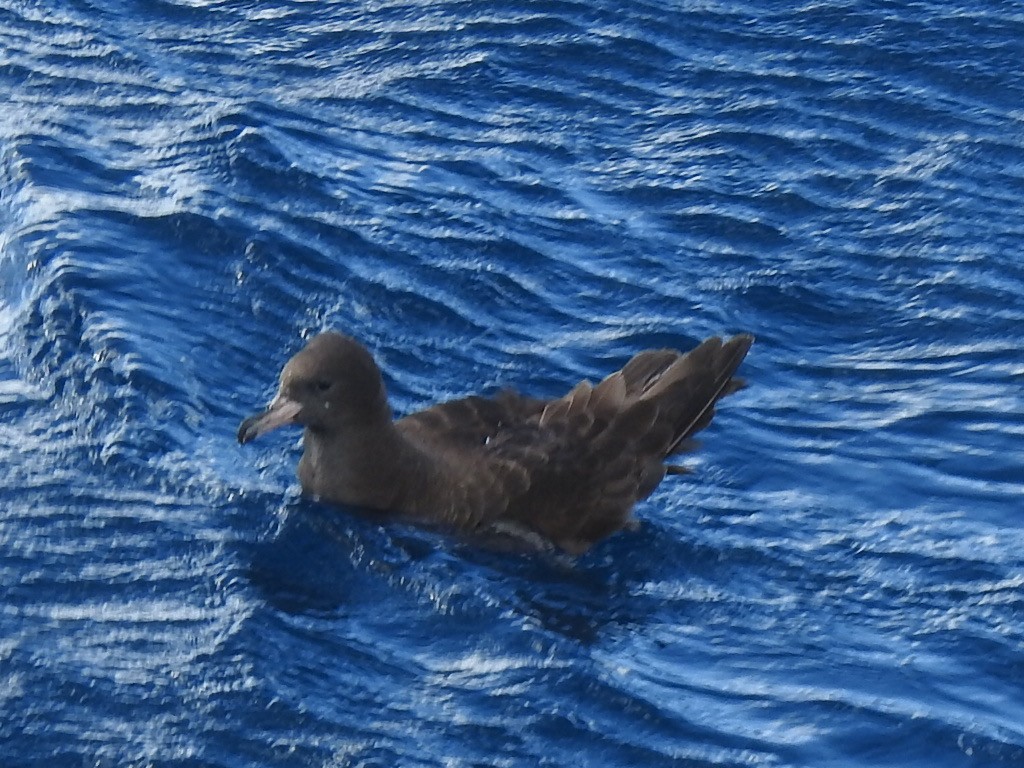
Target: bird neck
{"x": 359, "y": 466}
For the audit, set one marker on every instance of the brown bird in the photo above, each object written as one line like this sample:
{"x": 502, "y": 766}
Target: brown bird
{"x": 566, "y": 471}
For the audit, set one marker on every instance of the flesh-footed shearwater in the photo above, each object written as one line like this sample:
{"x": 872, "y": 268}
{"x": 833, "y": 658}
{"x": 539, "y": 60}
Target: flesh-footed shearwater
{"x": 566, "y": 471}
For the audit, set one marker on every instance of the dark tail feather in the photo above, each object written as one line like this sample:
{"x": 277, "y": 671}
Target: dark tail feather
{"x": 645, "y": 369}
{"x": 689, "y": 389}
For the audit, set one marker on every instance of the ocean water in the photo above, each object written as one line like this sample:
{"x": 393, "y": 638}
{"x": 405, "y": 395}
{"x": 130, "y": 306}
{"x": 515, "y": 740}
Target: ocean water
{"x": 518, "y": 194}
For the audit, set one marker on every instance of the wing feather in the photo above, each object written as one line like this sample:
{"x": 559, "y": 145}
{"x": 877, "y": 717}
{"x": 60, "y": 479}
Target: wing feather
{"x": 571, "y": 469}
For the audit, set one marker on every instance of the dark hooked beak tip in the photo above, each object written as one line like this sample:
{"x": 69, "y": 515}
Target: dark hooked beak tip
{"x": 247, "y": 430}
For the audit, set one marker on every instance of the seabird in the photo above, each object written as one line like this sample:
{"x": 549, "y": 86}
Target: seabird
{"x": 566, "y": 472}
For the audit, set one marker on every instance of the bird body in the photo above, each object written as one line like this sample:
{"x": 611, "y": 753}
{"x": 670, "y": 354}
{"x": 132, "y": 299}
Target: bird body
{"x": 566, "y": 471}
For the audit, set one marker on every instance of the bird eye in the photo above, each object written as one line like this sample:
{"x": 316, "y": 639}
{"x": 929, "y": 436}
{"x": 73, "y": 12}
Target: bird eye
{"x": 323, "y": 385}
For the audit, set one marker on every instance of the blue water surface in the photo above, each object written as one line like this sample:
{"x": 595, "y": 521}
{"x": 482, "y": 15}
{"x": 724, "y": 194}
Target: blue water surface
{"x": 519, "y": 193}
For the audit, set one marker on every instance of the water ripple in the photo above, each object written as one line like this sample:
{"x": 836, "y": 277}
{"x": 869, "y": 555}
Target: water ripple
{"x": 515, "y": 195}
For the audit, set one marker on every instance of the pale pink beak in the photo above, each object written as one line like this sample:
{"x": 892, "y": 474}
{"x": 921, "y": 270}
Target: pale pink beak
{"x": 278, "y": 414}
